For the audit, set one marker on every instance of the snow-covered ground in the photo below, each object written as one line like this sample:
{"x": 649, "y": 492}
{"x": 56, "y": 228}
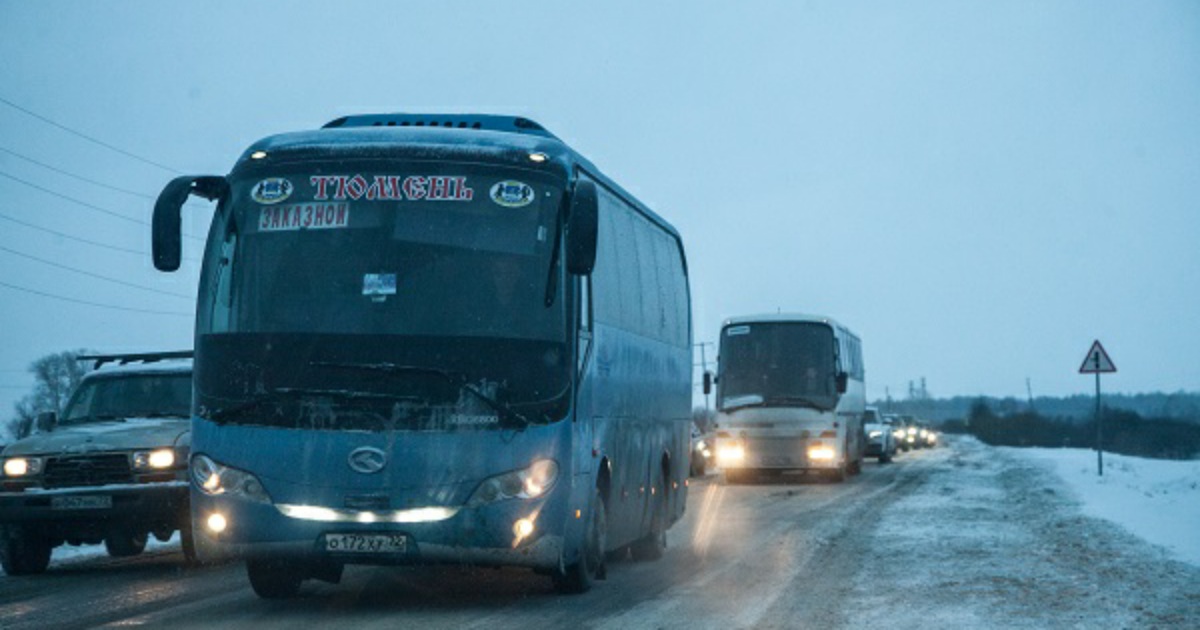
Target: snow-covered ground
{"x": 1156, "y": 500}
{"x": 67, "y": 554}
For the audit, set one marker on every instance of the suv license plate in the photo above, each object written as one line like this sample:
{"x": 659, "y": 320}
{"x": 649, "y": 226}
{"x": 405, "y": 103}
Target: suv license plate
{"x": 87, "y": 502}
{"x": 366, "y": 543}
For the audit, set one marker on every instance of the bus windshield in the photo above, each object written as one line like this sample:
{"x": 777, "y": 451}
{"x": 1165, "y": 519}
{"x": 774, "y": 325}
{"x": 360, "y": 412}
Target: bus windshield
{"x": 433, "y": 267}
{"x": 778, "y": 364}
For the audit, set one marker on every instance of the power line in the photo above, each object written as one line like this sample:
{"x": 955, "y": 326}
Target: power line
{"x": 87, "y": 179}
{"x": 85, "y": 204}
{"x": 64, "y": 298}
{"x": 87, "y": 137}
{"x": 73, "y": 175}
{"x": 94, "y": 275}
{"x": 78, "y": 239}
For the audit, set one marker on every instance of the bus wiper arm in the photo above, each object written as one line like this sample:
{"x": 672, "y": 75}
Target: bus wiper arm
{"x": 795, "y": 400}
{"x": 505, "y": 411}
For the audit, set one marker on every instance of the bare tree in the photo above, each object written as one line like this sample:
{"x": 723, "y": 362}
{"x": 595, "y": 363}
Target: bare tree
{"x": 56, "y": 376}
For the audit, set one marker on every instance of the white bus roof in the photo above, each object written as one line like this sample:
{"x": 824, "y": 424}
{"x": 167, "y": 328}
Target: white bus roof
{"x": 781, "y": 317}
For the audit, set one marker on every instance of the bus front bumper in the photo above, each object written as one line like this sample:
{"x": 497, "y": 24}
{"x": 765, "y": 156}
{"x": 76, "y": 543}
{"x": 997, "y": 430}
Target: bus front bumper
{"x": 487, "y": 535}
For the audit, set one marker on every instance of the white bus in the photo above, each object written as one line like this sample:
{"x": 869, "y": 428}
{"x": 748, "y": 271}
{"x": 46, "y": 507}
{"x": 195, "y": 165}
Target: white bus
{"x": 790, "y": 397}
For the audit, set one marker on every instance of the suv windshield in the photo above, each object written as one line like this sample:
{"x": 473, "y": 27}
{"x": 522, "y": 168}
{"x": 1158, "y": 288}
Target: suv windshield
{"x": 130, "y": 396}
{"x": 446, "y": 266}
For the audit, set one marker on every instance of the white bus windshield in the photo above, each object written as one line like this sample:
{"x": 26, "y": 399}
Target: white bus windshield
{"x": 778, "y": 364}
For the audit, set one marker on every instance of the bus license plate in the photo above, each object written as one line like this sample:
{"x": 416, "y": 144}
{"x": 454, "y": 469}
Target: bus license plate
{"x": 366, "y": 543}
{"x": 87, "y": 502}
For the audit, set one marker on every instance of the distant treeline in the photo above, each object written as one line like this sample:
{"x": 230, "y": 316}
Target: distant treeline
{"x": 1124, "y": 432}
{"x": 1181, "y": 406}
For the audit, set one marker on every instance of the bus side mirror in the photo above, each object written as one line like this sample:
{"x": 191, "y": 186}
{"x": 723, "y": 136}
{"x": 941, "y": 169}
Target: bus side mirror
{"x": 46, "y": 421}
{"x": 843, "y": 380}
{"x": 166, "y": 229}
{"x": 708, "y": 383}
{"x": 582, "y": 228}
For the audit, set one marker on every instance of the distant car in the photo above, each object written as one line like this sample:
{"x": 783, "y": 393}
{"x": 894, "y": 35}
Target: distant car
{"x": 112, "y": 469}
{"x": 702, "y": 452}
{"x": 881, "y": 443}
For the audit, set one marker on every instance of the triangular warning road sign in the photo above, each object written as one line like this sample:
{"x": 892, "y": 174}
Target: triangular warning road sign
{"x": 1097, "y": 361}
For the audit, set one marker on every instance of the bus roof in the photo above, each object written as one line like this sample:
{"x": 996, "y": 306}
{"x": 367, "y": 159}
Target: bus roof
{"x": 495, "y": 139}
{"x": 782, "y": 318}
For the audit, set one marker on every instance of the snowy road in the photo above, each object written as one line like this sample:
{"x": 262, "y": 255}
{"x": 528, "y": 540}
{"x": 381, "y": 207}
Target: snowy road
{"x": 963, "y": 536}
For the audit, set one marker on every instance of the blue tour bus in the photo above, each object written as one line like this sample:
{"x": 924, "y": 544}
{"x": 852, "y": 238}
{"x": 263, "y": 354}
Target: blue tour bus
{"x": 426, "y": 339}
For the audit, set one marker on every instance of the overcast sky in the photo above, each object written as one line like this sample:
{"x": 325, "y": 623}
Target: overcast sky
{"x": 979, "y": 189}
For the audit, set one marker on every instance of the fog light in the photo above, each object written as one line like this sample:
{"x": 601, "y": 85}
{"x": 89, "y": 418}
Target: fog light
{"x": 217, "y": 523}
{"x": 523, "y": 528}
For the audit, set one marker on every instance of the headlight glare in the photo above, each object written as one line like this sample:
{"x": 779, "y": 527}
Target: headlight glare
{"x": 157, "y": 459}
{"x": 22, "y": 466}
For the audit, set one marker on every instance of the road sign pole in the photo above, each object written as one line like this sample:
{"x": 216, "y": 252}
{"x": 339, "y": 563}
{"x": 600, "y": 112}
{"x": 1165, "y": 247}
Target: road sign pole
{"x": 1099, "y": 432}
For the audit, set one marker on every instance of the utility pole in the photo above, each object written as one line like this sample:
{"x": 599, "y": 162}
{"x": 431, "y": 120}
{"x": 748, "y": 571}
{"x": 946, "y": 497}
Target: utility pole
{"x": 704, "y": 370}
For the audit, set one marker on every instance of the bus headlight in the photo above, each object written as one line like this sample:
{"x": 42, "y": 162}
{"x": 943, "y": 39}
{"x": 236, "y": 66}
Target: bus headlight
{"x": 215, "y": 479}
{"x": 158, "y": 459}
{"x": 820, "y": 452}
{"x": 527, "y": 483}
{"x": 22, "y": 466}
{"x": 731, "y": 454}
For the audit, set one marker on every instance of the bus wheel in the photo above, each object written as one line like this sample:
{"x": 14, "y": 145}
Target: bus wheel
{"x": 655, "y": 543}
{"x": 22, "y": 552}
{"x": 579, "y": 576}
{"x": 274, "y": 579}
{"x": 188, "y": 542}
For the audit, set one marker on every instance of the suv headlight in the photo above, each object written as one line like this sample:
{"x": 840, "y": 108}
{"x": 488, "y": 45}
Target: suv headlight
{"x": 22, "y": 466}
{"x": 158, "y": 459}
{"x": 216, "y": 479}
{"x": 527, "y": 483}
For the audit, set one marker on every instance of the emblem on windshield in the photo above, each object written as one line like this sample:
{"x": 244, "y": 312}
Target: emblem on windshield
{"x": 512, "y": 194}
{"x": 367, "y": 460}
{"x": 271, "y": 190}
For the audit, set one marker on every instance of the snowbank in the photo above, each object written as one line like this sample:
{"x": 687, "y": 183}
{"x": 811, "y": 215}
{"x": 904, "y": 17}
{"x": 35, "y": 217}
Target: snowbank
{"x": 1156, "y": 500}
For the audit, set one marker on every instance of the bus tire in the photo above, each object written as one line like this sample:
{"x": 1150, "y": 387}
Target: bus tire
{"x": 23, "y": 552}
{"x": 578, "y": 577}
{"x": 187, "y": 541}
{"x": 274, "y": 579}
{"x": 654, "y": 544}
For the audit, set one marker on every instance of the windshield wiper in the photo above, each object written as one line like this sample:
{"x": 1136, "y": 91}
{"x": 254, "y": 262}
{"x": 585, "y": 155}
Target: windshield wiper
{"x": 798, "y": 401}
{"x": 217, "y": 415}
{"x": 505, "y": 412}
{"x": 551, "y": 285}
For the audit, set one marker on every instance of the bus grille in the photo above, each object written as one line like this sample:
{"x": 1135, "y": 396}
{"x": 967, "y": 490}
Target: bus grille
{"x": 87, "y": 470}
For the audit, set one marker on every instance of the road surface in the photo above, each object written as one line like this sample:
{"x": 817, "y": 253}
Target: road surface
{"x": 958, "y": 536}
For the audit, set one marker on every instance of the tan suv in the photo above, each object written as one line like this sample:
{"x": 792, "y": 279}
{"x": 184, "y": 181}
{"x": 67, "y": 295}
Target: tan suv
{"x": 112, "y": 469}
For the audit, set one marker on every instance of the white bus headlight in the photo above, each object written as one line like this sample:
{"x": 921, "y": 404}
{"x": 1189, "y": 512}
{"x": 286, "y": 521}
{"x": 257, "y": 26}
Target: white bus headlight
{"x": 820, "y": 452}
{"x": 214, "y": 479}
{"x": 527, "y": 483}
{"x": 158, "y": 459}
{"x": 730, "y": 455}
{"x": 22, "y": 466}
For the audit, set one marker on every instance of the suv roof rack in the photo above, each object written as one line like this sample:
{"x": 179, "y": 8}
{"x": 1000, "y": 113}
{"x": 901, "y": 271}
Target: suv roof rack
{"x": 488, "y": 122}
{"x": 124, "y": 359}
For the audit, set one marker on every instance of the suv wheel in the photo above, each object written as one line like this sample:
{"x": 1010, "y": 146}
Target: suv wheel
{"x": 122, "y": 543}
{"x": 22, "y": 552}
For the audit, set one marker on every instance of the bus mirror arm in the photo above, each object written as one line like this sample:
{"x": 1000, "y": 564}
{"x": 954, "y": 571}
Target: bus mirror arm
{"x": 842, "y": 381}
{"x": 166, "y": 226}
{"x": 582, "y": 227}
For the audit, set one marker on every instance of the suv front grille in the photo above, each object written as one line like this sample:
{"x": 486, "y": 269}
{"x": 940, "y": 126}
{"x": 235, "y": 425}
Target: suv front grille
{"x": 87, "y": 470}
